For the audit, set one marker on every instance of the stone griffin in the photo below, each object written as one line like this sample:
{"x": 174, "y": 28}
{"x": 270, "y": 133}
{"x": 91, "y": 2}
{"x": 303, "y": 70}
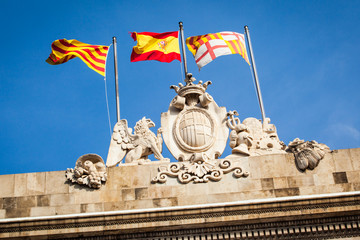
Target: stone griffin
{"x": 138, "y": 146}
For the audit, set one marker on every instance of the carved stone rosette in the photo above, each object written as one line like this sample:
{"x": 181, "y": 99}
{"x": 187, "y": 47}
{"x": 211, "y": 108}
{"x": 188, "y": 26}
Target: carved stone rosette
{"x": 198, "y": 171}
{"x": 89, "y": 170}
{"x": 307, "y": 154}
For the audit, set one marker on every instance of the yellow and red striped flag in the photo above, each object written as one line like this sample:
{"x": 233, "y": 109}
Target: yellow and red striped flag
{"x": 206, "y": 48}
{"x": 93, "y": 55}
{"x": 163, "y": 47}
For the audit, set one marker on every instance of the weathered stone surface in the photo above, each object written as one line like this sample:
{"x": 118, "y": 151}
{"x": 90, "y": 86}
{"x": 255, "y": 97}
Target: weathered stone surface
{"x": 92, "y": 207}
{"x": 43, "y": 200}
{"x": 7, "y": 185}
{"x": 355, "y": 156}
{"x": 26, "y": 202}
{"x": 20, "y": 185}
{"x": 286, "y": 192}
{"x": 62, "y": 199}
{"x": 281, "y": 218}
{"x": 17, "y": 212}
{"x": 35, "y": 183}
{"x": 129, "y": 187}
{"x": 340, "y": 177}
{"x": 42, "y": 211}
{"x": 267, "y": 183}
{"x": 165, "y": 202}
{"x": 141, "y": 193}
{"x": 342, "y": 160}
{"x": 56, "y": 183}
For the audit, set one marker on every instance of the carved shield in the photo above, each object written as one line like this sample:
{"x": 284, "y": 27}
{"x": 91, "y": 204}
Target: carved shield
{"x": 195, "y": 129}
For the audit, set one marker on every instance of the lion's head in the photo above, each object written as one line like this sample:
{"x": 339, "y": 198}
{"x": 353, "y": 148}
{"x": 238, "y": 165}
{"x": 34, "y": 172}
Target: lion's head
{"x": 143, "y": 125}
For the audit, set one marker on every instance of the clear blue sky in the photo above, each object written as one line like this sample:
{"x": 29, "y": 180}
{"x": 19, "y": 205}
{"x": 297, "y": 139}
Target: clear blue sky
{"x": 307, "y": 54}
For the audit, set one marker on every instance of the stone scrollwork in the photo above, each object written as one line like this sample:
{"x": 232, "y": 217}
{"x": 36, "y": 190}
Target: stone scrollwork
{"x": 199, "y": 170}
{"x": 89, "y": 170}
{"x": 307, "y": 154}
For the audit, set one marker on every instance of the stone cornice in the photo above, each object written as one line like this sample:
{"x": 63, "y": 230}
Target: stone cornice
{"x": 282, "y": 217}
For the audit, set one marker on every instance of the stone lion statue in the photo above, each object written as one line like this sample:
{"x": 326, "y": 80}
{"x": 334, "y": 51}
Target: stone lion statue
{"x": 138, "y": 146}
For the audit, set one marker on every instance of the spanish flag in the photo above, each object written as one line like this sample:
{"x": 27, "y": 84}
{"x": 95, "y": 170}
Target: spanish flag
{"x": 93, "y": 55}
{"x": 163, "y": 47}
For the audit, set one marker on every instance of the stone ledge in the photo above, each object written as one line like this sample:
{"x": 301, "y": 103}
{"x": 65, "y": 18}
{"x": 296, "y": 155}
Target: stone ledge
{"x": 294, "y": 212}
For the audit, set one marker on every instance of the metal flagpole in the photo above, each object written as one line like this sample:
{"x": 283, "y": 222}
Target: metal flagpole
{"x": 255, "y": 74}
{"x": 183, "y": 47}
{"x": 116, "y": 81}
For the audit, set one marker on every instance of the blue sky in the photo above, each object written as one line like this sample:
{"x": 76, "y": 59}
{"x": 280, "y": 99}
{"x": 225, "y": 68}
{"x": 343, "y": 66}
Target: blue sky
{"x": 306, "y": 52}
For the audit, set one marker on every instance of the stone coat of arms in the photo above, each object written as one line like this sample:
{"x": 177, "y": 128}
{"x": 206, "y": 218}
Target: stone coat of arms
{"x": 194, "y": 123}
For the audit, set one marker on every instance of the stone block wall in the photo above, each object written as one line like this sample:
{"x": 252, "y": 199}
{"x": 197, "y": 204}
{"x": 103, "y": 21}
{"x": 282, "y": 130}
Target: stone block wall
{"x": 130, "y": 187}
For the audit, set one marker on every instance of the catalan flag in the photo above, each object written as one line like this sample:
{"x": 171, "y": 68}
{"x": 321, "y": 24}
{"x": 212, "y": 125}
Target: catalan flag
{"x": 206, "y": 48}
{"x": 93, "y": 55}
{"x": 163, "y": 47}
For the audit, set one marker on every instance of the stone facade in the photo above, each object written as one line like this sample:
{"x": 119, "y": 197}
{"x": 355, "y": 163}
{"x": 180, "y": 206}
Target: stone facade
{"x": 276, "y": 200}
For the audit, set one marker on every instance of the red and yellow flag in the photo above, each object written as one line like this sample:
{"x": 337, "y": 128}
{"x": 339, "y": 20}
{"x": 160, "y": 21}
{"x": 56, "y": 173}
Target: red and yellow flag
{"x": 206, "y": 48}
{"x": 163, "y": 47}
{"x": 93, "y": 55}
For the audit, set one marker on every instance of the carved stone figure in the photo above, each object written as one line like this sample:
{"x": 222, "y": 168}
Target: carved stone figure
{"x": 89, "y": 170}
{"x": 265, "y": 138}
{"x": 138, "y": 146}
{"x": 253, "y": 138}
{"x": 240, "y": 139}
{"x": 307, "y": 154}
{"x": 194, "y": 123}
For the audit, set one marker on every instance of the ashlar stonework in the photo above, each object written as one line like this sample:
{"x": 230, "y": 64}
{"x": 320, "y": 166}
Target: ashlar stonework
{"x": 271, "y": 203}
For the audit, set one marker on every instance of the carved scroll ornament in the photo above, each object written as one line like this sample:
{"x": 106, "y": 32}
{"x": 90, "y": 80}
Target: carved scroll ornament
{"x": 198, "y": 171}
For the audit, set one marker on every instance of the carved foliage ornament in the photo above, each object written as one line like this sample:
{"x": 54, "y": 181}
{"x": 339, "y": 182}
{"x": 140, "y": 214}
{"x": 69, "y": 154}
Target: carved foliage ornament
{"x": 307, "y": 154}
{"x": 198, "y": 170}
{"x": 89, "y": 170}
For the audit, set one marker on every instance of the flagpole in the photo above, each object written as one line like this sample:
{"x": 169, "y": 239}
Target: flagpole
{"x": 116, "y": 81}
{"x": 255, "y": 74}
{"x": 183, "y": 47}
